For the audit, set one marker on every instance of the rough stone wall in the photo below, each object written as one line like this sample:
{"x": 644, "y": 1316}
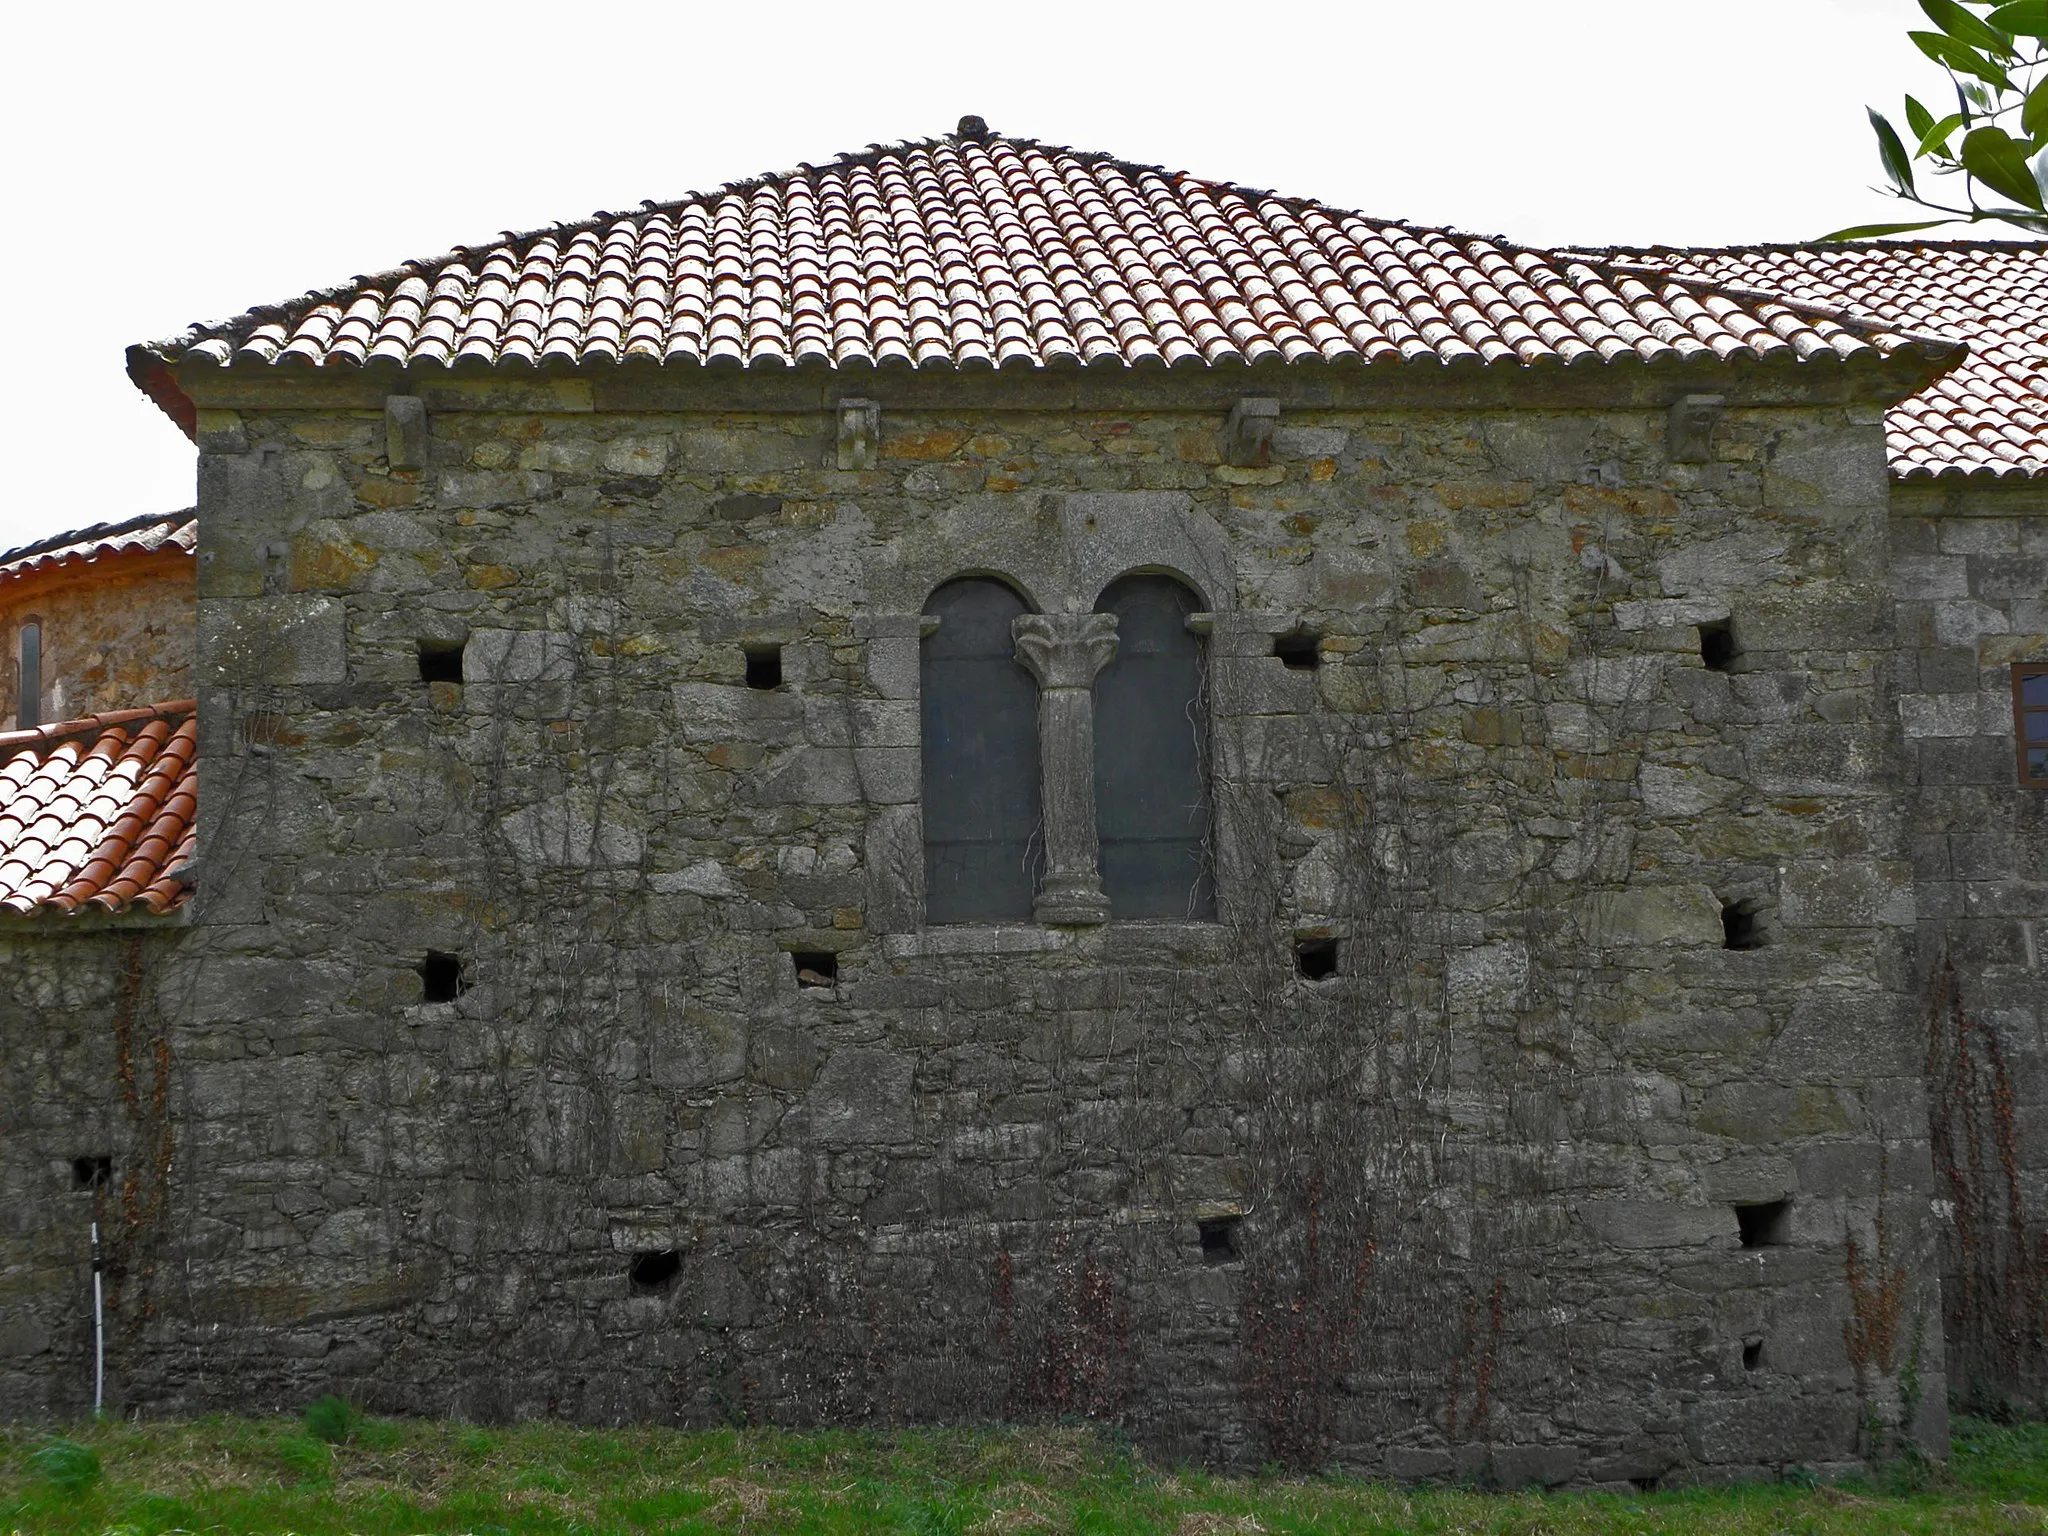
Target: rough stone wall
{"x": 116, "y": 633}
{"x": 1971, "y": 575}
{"x": 88, "y": 1078}
{"x": 1466, "y": 1206}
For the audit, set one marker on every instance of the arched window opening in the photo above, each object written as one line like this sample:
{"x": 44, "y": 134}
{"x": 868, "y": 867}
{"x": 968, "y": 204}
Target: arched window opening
{"x": 982, "y": 850}
{"x": 28, "y": 708}
{"x": 1152, "y": 756}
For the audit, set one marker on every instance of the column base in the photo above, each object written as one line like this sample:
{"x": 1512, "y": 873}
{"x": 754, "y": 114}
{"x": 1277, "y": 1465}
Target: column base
{"x": 1073, "y": 902}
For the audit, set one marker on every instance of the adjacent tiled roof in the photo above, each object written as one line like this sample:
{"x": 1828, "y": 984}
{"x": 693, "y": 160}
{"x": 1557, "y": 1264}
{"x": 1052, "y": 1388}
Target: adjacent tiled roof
{"x": 979, "y": 251}
{"x": 1988, "y": 418}
{"x": 138, "y": 535}
{"x": 97, "y": 814}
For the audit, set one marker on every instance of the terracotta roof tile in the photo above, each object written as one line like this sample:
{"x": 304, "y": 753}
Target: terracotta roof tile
{"x": 980, "y": 252}
{"x": 98, "y": 814}
{"x": 1989, "y": 417}
{"x": 138, "y": 535}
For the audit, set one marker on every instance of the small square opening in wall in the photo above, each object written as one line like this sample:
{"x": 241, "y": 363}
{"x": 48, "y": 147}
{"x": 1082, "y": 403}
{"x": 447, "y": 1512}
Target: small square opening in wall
{"x": 815, "y": 967}
{"x": 1301, "y": 651}
{"x": 1742, "y": 924}
{"x": 441, "y": 978}
{"x": 1219, "y": 1239}
{"x": 91, "y": 1172}
{"x": 1315, "y": 959}
{"x": 1767, "y": 1224}
{"x": 441, "y": 661}
{"x": 764, "y": 666}
{"x": 1753, "y": 1355}
{"x": 1717, "y": 645}
{"x": 654, "y": 1269}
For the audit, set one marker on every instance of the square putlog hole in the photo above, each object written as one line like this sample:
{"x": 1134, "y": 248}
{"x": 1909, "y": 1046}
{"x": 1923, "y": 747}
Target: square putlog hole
{"x": 441, "y": 978}
{"x": 815, "y": 967}
{"x": 92, "y": 1172}
{"x": 1219, "y": 1239}
{"x": 654, "y": 1269}
{"x": 1742, "y": 925}
{"x": 441, "y": 661}
{"x": 1717, "y": 645}
{"x": 1767, "y": 1224}
{"x": 1315, "y": 959}
{"x": 1301, "y": 651}
{"x": 764, "y": 666}
{"x": 1753, "y": 1355}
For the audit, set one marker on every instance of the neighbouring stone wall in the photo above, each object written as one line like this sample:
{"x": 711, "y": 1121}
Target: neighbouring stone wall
{"x": 1971, "y": 568}
{"x": 86, "y": 1121}
{"x": 116, "y": 634}
{"x": 1467, "y": 1206}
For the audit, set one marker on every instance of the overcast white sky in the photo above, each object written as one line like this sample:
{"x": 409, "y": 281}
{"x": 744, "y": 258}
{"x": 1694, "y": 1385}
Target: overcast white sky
{"x": 169, "y": 163}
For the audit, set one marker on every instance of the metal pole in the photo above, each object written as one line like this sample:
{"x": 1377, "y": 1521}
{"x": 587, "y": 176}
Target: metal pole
{"x": 99, "y": 1335}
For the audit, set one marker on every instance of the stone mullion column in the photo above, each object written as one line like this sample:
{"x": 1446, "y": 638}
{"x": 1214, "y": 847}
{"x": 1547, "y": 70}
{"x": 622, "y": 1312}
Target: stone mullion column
{"x": 1064, "y": 651}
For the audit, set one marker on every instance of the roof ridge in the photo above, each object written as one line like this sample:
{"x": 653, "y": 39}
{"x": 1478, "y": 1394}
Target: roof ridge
{"x": 57, "y": 541}
{"x": 171, "y": 709}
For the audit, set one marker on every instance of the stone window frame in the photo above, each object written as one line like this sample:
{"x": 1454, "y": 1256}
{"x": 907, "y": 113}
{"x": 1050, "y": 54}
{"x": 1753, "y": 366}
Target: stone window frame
{"x": 1078, "y": 543}
{"x": 1246, "y": 688}
{"x": 2022, "y": 672}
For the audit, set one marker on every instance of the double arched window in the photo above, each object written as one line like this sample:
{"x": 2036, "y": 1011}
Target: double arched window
{"x": 990, "y": 852}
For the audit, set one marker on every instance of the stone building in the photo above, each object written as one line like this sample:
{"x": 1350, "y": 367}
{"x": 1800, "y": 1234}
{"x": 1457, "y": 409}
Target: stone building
{"x": 980, "y": 781}
{"x": 96, "y": 619}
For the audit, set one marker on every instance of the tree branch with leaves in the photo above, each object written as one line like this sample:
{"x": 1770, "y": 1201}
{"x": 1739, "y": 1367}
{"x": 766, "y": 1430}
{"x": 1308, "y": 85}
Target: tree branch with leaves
{"x": 1995, "y": 65}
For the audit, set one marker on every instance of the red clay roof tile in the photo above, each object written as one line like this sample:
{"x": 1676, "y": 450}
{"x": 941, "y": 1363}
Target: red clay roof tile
{"x": 98, "y": 814}
{"x": 978, "y": 251}
{"x": 138, "y": 535}
{"x": 1986, "y": 418}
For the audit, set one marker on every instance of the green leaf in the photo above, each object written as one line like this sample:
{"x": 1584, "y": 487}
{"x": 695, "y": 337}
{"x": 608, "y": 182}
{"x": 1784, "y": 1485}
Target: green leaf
{"x": 1869, "y": 231}
{"x": 1965, "y": 28}
{"x": 2034, "y": 116}
{"x": 1935, "y": 140}
{"x": 1999, "y": 160}
{"x": 1950, "y": 54}
{"x": 1918, "y": 118}
{"x": 1897, "y": 165}
{"x": 2026, "y": 17}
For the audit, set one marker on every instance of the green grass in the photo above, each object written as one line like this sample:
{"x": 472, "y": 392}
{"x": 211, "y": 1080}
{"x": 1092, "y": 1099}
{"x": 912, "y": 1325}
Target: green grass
{"x": 234, "y": 1476}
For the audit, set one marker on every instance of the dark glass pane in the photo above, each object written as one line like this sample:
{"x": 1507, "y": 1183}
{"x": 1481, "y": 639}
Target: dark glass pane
{"x": 1151, "y": 756}
{"x": 2036, "y": 724}
{"x": 28, "y": 709}
{"x": 2034, "y": 689}
{"x": 2037, "y": 763}
{"x": 981, "y": 845}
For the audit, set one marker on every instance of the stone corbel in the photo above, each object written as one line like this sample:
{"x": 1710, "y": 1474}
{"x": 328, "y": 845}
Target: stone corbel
{"x": 860, "y": 433}
{"x": 1248, "y": 432}
{"x": 1689, "y": 430}
{"x": 1064, "y": 652}
{"x": 405, "y": 432}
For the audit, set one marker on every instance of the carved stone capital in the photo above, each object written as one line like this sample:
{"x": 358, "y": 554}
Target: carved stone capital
{"x": 1065, "y": 650}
